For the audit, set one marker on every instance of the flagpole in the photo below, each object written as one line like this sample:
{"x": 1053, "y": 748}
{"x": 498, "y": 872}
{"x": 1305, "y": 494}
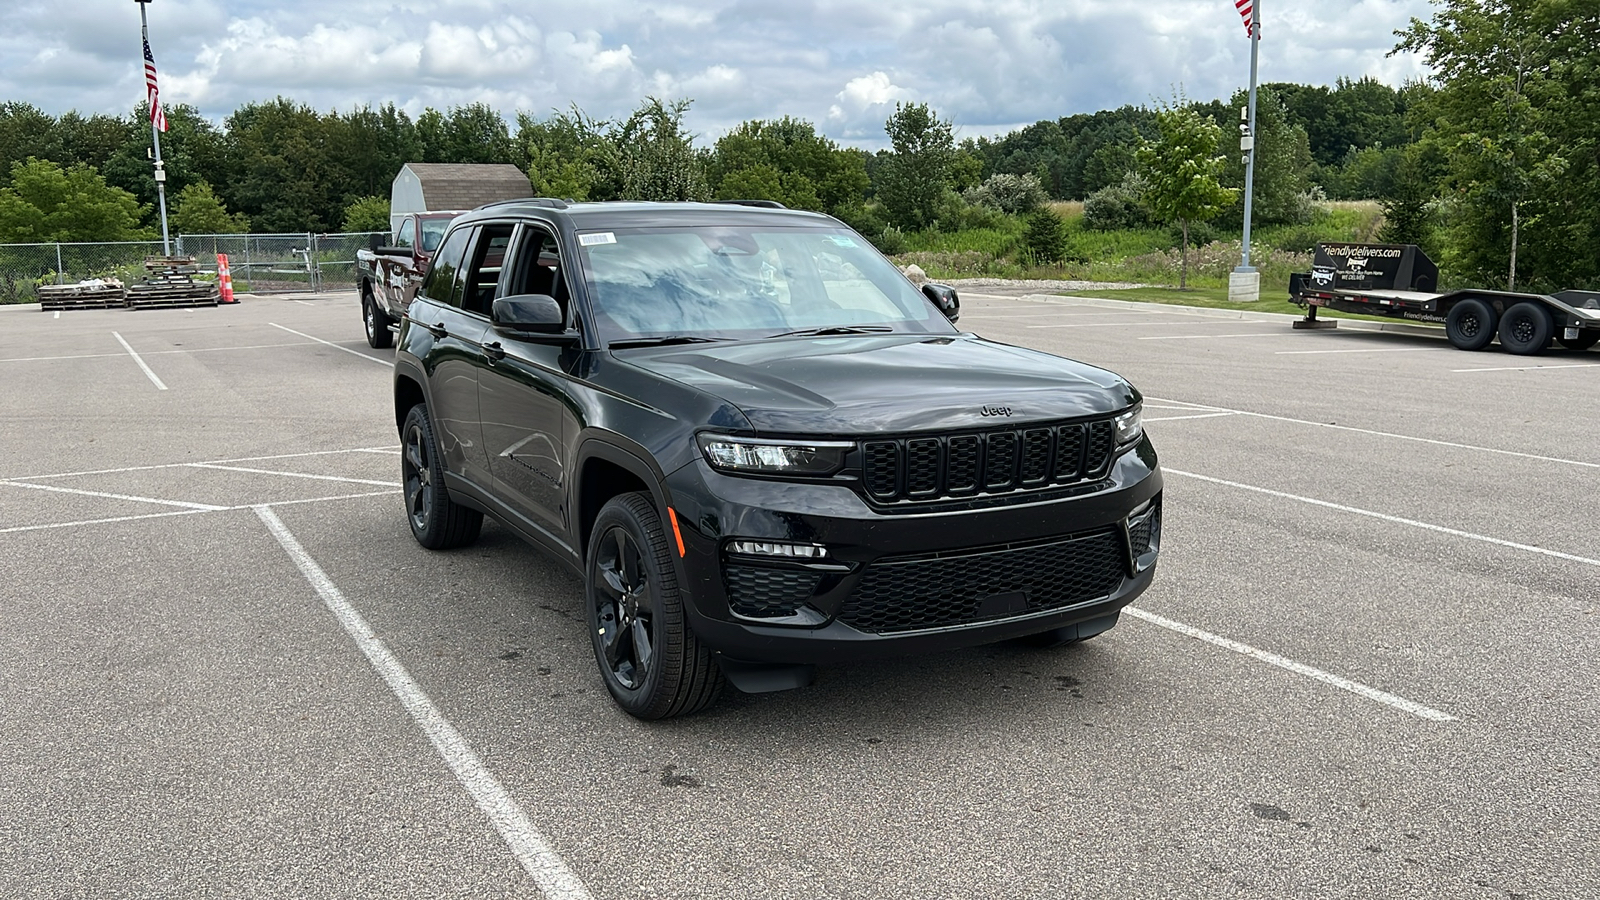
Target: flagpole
{"x": 155, "y": 137}
{"x": 1250, "y": 161}
{"x": 1244, "y": 283}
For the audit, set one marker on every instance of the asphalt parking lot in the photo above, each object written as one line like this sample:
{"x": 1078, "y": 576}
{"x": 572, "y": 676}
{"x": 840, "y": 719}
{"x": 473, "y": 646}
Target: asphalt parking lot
{"x": 1367, "y": 666}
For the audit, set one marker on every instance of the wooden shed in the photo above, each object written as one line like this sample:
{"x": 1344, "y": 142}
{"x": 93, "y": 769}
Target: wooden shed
{"x": 435, "y": 187}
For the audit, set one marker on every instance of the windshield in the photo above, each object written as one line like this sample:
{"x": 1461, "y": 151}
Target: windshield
{"x": 742, "y": 283}
{"x": 433, "y": 232}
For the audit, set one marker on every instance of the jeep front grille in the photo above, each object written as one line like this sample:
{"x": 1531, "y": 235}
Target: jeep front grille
{"x": 986, "y": 462}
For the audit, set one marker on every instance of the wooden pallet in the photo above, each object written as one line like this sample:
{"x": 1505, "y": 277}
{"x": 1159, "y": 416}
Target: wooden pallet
{"x": 171, "y": 293}
{"x": 102, "y": 295}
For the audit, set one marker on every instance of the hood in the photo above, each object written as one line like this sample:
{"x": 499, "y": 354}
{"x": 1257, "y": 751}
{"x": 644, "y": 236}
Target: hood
{"x": 858, "y": 385}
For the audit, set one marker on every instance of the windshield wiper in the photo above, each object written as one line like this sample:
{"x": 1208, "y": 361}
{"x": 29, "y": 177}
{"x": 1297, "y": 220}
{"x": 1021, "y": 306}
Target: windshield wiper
{"x": 835, "y": 329}
{"x": 663, "y": 340}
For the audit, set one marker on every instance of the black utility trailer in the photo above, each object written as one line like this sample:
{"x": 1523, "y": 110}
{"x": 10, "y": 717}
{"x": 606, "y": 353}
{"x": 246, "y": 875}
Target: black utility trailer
{"x": 1399, "y": 281}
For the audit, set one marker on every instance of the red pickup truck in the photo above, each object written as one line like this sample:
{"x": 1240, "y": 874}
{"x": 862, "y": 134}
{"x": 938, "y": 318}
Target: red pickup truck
{"x": 387, "y": 277}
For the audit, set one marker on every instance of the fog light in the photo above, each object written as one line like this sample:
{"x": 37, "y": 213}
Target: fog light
{"x": 781, "y": 550}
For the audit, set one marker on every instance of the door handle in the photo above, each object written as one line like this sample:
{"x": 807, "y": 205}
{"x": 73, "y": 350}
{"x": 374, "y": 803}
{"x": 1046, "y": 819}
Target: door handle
{"x": 438, "y": 330}
{"x": 494, "y": 351}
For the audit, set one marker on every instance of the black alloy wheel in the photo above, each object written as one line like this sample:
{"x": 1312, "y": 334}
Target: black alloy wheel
{"x": 378, "y": 335}
{"x": 648, "y": 656}
{"x": 1470, "y": 324}
{"x": 437, "y": 522}
{"x": 1525, "y": 329}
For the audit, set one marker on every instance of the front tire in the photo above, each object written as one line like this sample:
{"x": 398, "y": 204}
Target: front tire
{"x": 378, "y": 335}
{"x": 437, "y": 522}
{"x": 1525, "y": 329}
{"x": 1470, "y": 325}
{"x": 650, "y": 659}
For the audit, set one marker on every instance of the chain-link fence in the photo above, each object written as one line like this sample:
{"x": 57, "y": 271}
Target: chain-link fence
{"x": 260, "y": 263}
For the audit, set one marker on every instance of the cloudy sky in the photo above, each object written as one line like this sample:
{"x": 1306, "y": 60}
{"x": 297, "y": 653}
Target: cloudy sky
{"x": 988, "y": 65}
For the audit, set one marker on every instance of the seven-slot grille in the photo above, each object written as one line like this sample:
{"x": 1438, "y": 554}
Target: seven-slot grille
{"x": 986, "y": 462}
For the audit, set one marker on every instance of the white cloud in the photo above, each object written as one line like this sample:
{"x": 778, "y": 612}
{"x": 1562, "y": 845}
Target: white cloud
{"x": 985, "y": 64}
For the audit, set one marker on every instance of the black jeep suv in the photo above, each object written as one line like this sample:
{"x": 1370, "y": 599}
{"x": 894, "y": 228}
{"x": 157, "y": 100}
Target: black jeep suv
{"x": 760, "y": 446}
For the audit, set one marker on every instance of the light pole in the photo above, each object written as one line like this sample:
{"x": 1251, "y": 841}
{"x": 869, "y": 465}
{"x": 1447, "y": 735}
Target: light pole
{"x": 154, "y": 97}
{"x": 1244, "y": 282}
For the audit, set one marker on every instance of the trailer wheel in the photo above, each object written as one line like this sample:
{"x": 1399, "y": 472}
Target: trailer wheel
{"x": 1525, "y": 329}
{"x": 1470, "y": 325}
{"x": 1583, "y": 341}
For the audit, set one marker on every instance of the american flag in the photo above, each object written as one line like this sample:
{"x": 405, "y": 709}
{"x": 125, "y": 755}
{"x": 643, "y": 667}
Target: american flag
{"x": 1245, "y": 8}
{"x": 157, "y": 116}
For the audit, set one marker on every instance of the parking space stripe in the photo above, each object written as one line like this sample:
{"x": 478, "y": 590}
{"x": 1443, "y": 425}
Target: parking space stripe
{"x": 1397, "y": 520}
{"x": 148, "y": 373}
{"x": 1530, "y": 368}
{"x": 49, "y": 525}
{"x": 1141, "y": 325}
{"x": 1365, "y": 350}
{"x": 209, "y": 462}
{"x": 381, "y": 362}
{"x": 203, "y": 507}
{"x": 547, "y": 869}
{"x": 1195, "y": 416}
{"x": 1387, "y": 434}
{"x": 1201, "y": 337}
{"x": 1282, "y": 662}
{"x": 394, "y": 484}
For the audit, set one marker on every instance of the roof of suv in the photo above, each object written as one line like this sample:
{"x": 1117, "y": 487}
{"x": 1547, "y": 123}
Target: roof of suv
{"x": 640, "y": 214}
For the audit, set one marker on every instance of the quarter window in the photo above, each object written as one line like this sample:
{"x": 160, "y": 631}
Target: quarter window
{"x": 443, "y": 283}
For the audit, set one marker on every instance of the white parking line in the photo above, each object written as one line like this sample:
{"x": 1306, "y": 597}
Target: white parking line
{"x": 394, "y": 484}
{"x": 1387, "y": 434}
{"x": 1202, "y": 337}
{"x": 1140, "y": 325}
{"x": 1372, "y": 350}
{"x": 203, "y": 507}
{"x": 381, "y": 362}
{"x": 207, "y": 462}
{"x": 1195, "y": 416}
{"x": 148, "y": 374}
{"x": 1530, "y": 368}
{"x": 547, "y": 869}
{"x": 46, "y": 527}
{"x": 1397, "y": 520}
{"x": 1343, "y": 684}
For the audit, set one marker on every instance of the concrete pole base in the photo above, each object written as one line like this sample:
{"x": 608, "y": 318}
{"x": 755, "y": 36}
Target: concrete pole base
{"x": 1244, "y": 286}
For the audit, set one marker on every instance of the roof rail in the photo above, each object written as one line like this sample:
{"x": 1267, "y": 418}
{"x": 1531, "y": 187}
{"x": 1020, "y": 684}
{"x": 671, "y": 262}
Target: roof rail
{"x": 762, "y": 204}
{"x": 546, "y": 202}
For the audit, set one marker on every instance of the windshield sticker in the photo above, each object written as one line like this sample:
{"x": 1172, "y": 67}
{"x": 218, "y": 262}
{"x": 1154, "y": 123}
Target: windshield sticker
{"x": 840, "y": 240}
{"x": 603, "y": 237}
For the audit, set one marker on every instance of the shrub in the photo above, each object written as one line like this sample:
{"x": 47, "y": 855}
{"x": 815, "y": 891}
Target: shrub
{"x": 1116, "y": 207}
{"x": 889, "y": 241}
{"x": 1046, "y": 237}
{"x": 1017, "y": 195}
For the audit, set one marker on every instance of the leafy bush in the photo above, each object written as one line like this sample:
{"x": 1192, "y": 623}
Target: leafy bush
{"x": 1046, "y": 237}
{"x": 889, "y": 241}
{"x": 1118, "y": 206}
{"x": 1017, "y": 195}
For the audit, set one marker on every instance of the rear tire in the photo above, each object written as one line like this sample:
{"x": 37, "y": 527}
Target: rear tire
{"x": 1525, "y": 329}
{"x": 378, "y": 335}
{"x": 649, "y": 657}
{"x": 437, "y": 522}
{"x": 1470, "y": 325}
{"x": 1583, "y": 341}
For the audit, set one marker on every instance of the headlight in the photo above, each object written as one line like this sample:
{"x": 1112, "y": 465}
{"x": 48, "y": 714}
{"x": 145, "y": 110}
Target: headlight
{"x": 758, "y": 457}
{"x": 1130, "y": 426}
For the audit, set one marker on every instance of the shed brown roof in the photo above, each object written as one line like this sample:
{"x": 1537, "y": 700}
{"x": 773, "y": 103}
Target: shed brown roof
{"x": 467, "y": 185}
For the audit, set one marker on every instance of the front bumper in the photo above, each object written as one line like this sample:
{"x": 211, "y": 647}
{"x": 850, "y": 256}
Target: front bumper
{"x": 896, "y": 583}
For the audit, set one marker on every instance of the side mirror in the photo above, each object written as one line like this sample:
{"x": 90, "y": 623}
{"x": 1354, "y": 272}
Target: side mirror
{"x": 944, "y": 297}
{"x": 528, "y": 314}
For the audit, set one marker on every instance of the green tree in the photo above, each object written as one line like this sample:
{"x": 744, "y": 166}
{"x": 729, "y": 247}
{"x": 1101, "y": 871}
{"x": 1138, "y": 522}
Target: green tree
{"x": 191, "y": 150}
{"x": 1180, "y": 170}
{"x": 1499, "y": 87}
{"x": 1046, "y": 237}
{"x": 653, "y": 157}
{"x": 787, "y": 161}
{"x": 26, "y": 131}
{"x": 474, "y": 133}
{"x": 1283, "y": 164}
{"x": 48, "y": 203}
{"x": 198, "y": 210}
{"x": 367, "y": 214}
{"x": 565, "y": 154}
{"x": 913, "y": 178}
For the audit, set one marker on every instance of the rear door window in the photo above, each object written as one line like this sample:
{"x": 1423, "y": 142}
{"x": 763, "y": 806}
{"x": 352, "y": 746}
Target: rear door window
{"x": 443, "y": 284}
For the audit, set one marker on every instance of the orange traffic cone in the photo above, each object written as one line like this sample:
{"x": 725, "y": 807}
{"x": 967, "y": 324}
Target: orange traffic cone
{"x": 225, "y": 279}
